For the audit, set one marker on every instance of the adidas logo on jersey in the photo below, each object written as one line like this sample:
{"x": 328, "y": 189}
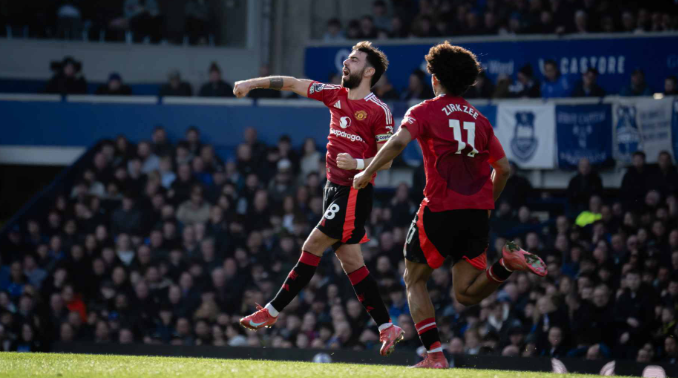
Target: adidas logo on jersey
{"x": 338, "y": 104}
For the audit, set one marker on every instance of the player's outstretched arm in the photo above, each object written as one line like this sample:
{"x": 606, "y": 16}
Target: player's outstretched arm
{"x": 279, "y": 83}
{"x": 395, "y": 145}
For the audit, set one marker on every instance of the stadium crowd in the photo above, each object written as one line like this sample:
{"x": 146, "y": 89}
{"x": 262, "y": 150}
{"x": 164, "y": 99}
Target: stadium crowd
{"x": 68, "y": 79}
{"x": 165, "y": 243}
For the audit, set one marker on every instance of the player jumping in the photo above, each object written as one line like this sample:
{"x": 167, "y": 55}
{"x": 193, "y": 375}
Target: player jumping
{"x": 459, "y": 147}
{"x": 360, "y": 125}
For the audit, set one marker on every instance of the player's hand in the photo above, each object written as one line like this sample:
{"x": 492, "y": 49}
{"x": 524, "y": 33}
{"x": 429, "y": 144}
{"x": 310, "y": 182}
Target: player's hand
{"x": 361, "y": 180}
{"x": 241, "y": 89}
{"x": 345, "y": 161}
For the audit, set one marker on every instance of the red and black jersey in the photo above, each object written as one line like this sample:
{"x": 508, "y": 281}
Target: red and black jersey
{"x": 458, "y": 145}
{"x": 356, "y": 127}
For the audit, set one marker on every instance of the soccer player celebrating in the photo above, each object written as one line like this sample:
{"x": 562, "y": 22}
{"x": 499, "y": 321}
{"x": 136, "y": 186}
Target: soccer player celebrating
{"x": 459, "y": 147}
{"x": 360, "y": 125}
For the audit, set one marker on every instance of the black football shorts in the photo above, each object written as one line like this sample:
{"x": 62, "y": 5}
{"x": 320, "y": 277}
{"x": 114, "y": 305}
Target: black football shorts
{"x": 461, "y": 234}
{"x": 345, "y": 212}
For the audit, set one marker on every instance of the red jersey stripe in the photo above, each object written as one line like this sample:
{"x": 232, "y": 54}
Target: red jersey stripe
{"x": 433, "y": 257}
{"x": 349, "y": 220}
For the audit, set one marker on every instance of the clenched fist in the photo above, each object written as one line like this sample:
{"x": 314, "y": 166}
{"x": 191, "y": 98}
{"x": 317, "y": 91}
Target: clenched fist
{"x": 241, "y": 89}
{"x": 345, "y": 161}
{"x": 361, "y": 180}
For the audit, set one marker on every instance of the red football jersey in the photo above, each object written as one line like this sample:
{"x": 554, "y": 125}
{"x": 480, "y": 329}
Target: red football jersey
{"x": 356, "y": 127}
{"x": 458, "y": 144}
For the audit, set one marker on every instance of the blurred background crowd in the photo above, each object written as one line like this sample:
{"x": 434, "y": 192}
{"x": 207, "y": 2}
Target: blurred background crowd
{"x": 162, "y": 242}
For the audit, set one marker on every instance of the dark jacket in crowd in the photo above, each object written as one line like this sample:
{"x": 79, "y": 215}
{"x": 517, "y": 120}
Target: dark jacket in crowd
{"x": 184, "y": 89}
{"x": 62, "y": 84}
{"x": 581, "y": 188}
{"x": 595, "y": 91}
{"x": 634, "y": 187}
{"x": 124, "y": 90}
{"x": 218, "y": 89}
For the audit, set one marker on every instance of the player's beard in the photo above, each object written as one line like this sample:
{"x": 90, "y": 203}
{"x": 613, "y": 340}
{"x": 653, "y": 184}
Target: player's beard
{"x": 353, "y": 80}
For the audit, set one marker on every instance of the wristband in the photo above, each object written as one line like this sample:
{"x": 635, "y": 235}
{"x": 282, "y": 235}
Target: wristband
{"x": 360, "y": 164}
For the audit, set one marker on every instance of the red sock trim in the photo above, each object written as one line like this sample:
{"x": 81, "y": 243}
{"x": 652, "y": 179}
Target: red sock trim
{"x": 437, "y": 344}
{"x": 491, "y": 276}
{"x": 425, "y": 325}
{"x": 309, "y": 259}
{"x": 358, "y": 275}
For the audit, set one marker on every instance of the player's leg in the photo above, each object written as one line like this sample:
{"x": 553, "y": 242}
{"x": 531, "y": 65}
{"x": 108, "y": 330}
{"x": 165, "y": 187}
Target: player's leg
{"x": 367, "y": 291}
{"x": 358, "y": 209}
{"x": 312, "y": 251}
{"x": 422, "y": 255}
{"x": 327, "y": 233}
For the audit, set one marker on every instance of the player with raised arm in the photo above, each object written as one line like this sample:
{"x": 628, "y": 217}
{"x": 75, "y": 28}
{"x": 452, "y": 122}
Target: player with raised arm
{"x": 360, "y": 125}
{"x": 459, "y": 147}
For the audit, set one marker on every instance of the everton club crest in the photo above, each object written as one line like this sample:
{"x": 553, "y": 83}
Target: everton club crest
{"x": 524, "y": 142}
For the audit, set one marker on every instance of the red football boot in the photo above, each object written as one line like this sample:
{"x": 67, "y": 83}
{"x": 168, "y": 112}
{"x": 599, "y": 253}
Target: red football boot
{"x": 390, "y": 337}
{"x": 435, "y": 360}
{"x": 518, "y": 259}
{"x": 261, "y": 318}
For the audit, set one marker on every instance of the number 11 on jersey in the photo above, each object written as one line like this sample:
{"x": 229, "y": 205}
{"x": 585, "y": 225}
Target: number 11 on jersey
{"x": 470, "y": 128}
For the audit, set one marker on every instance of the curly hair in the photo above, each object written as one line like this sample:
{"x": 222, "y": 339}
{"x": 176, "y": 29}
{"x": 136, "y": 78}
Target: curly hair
{"x": 375, "y": 58}
{"x": 455, "y": 67}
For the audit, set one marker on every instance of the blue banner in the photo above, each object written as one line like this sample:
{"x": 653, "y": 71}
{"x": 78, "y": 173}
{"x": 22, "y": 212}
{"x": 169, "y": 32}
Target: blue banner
{"x": 584, "y": 131}
{"x": 614, "y": 58}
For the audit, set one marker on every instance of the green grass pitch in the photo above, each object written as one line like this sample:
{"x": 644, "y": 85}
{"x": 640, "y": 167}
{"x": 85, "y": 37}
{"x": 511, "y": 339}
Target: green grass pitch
{"x": 20, "y": 365}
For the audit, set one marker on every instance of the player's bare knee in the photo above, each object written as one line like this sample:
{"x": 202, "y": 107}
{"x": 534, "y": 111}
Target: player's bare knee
{"x": 312, "y": 245}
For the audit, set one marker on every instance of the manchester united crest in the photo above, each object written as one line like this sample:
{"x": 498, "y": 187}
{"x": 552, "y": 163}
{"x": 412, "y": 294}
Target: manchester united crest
{"x": 360, "y": 115}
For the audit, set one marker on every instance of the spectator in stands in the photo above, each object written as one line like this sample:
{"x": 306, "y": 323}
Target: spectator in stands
{"x": 483, "y": 88}
{"x": 195, "y": 210}
{"x": 638, "y": 86}
{"x": 385, "y": 90}
{"x": 517, "y": 188}
{"x": 197, "y": 25}
{"x": 527, "y": 85}
{"x": 192, "y": 142}
{"x": 216, "y": 87}
{"x": 310, "y": 158}
{"x": 398, "y": 28}
{"x": 353, "y": 30}
{"x": 175, "y": 87}
{"x": 161, "y": 145}
{"x": 585, "y": 184}
{"x": 114, "y": 87}
{"x": 581, "y": 22}
{"x": 671, "y": 86}
{"x": 635, "y": 182}
{"x": 633, "y": 313}
{"x": 417, "y": 88}
{"x": 380, "y": 16}
{"x": 67, "y": 78}
{"x": 367, "y": 29}
{"x": 69, "y": 21}
{"x": 665, "y": 177}
{"x": 555, "y": 85}
{"x": 588, "y": 87}
{"x": 149, "y": 161}
{"x": 628, "y": 22}
{"x": 334, "y": 32}
{"x": 128, "y": 218}
{"x": 144, "y": 19}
